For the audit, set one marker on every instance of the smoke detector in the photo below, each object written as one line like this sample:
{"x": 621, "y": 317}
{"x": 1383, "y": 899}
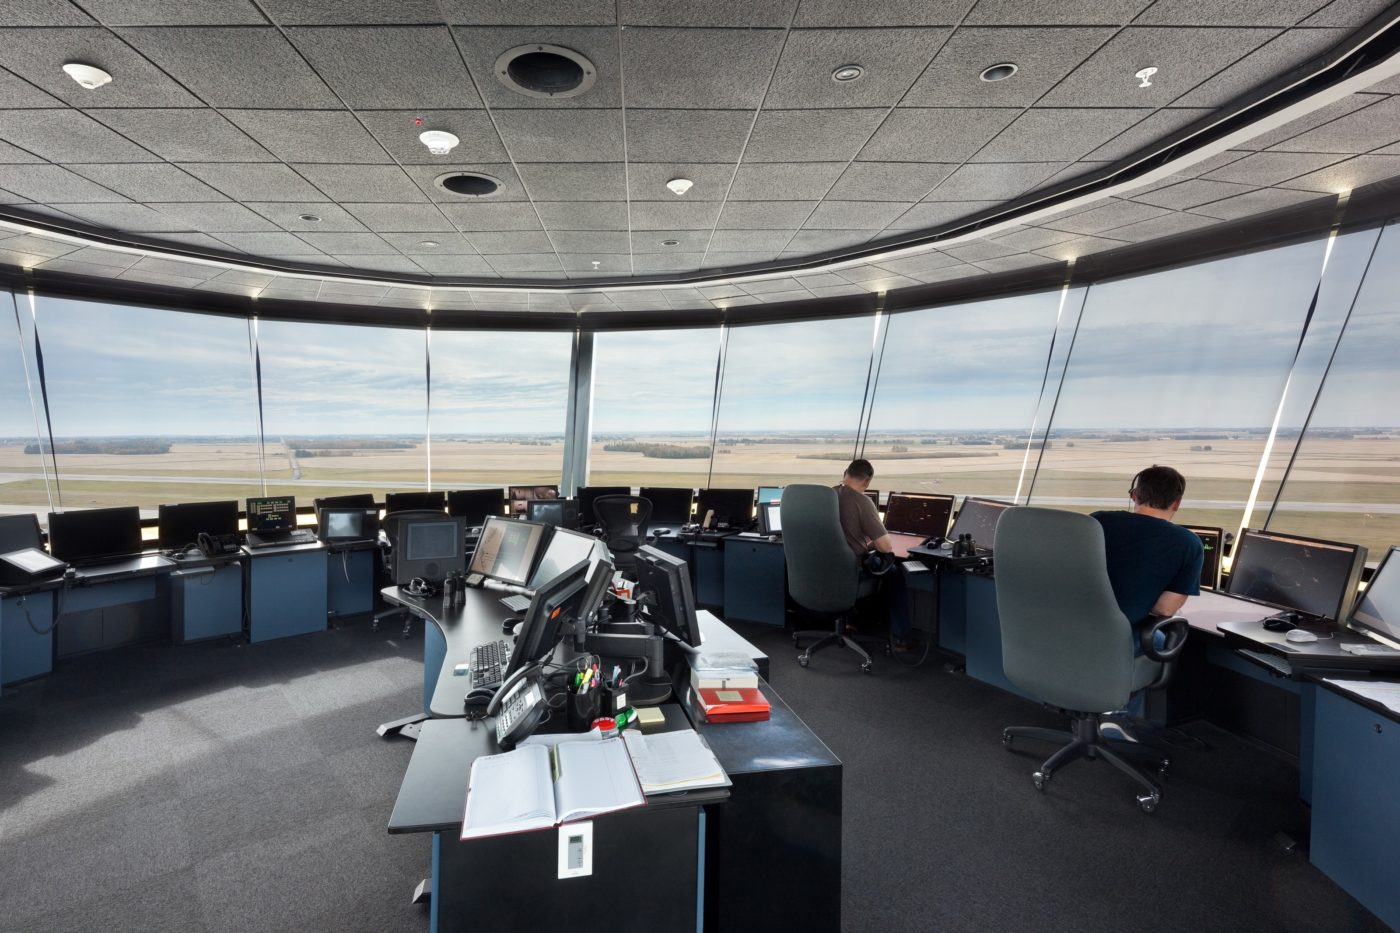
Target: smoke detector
{"x": 439, "y": 142}
{"x": 679, "y": 186}
{"x": 89, "y": 76}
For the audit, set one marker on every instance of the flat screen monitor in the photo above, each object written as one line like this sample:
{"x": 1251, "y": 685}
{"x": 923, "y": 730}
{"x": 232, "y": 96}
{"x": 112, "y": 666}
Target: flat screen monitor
{"x": 586, "y": 495}
{"x": 979, "y": 517}
{"x": 354, "y": 500}
{"x": 561, "y": 513}
{"x": 427, "y": 545}
{"x": 1292, "y": 572}
{"x": 272, "y": 513}
{"x": 770, "y": 494}
{"x": 770, "y": 518}
{"x": 520, "y": 495}
{"x": 347, "y": 526}
{"x": 874, "y": 496}
{"x": 731, "y": 506}
{"x": 554, "y": 610}
{"x": 476, "y": 505}
{"x": 1378, "y": 609}
{"x": 181, "y": 524}
{"x": 667, "y": 579}
{"x": 414, "y": 501}
{"x": 1212, "y": 540}
{"x": 95, "y": 534}
{"x": 670, "y": 505}
{"x": 565, "y": 549}
{"x": 18, "y": 532}
{"x": 508, "y": 549}
{"x": 919, "y": 513}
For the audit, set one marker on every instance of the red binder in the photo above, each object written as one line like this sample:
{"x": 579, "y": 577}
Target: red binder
{"x": 735, "y": 704}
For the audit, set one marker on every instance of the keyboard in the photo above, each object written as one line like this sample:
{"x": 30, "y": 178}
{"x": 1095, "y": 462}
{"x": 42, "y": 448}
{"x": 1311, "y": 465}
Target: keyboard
{"x": 516, "y": 603}
{"x": 488, "y": 663}
{"x": 281, "y": 538}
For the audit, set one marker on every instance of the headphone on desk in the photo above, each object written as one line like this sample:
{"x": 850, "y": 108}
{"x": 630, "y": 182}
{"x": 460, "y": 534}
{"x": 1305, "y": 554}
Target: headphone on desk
{"x": 419, "y": 587}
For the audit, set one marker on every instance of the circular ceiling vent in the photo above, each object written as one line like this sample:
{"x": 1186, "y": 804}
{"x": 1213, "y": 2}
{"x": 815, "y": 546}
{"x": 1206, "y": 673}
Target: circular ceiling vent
{"x": 468, "y": 184}
{"x": 545, "y": 71}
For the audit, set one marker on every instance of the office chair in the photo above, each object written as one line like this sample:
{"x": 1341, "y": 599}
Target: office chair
{"x": 1065, "y": 642}
{"x": 623, "y": 523}
{"x": 390, "y": 527}
{"x": 823, "y": 577}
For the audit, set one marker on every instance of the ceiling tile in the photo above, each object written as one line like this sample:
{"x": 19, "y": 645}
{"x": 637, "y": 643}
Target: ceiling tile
{"x": 725, "y": 68}
{"x": 1079, "y": 246}
{"x": 185, "y": 135}
{"x": 400, "y": 218}
{"x": 136, "y": 274}
{"x": 939, "y": 134}
{"x": 1289, "y": 50}
{"x": 687, "y": 135}
{"x": 929, "y": 215}
{"x": 882, "y": 13}
{"x": 1347, "y": 12}
{"x": 482, "y": 46}
{"x": 574, "y": 181}
{"x": 992, "y": 181}
{"x": 1348, "y": 175}
{"x": 347, "y": 244}
{"x": 398, "y": 133}
{"x": 412, "y": 244}
{"x": 532, "y": 241}
{"x": 647, "y": 180}
{"x": 1060, "y": 13}
{"x": 17, "y": 92}
{"x": 1188, "y": 194}
{"x": 591, "y": 241}
{"x": 810, "y": 135}
{"x": 854, "y": 215}
{"x": 738, "y": 258}
{"x": 922, "y": 263}
{"x": 889, "y": 181}
{"x": 580, "y": 215}
{"x": 68, "y": 266}
{"x": 792, "y": 181}
{"x": 38, "y": 56}
{"x": 732, "y": 240}
{"x": 1256, "y": 202}
{"x": 1264, "y": 169}
{"x": 1117, "y": 213}
{"x": 1005, "y": 264}
{"x": 1036, "y": 237}
{"x": 1185, "y": 57}
{"x": 389, "y": 67}
{"x": 1158, "y": 227}
{"x": 184, "y": 13}
{"x": 475, "y": 217}
{"x": 42, "y": 13}
{"x": 1323, "y": 114}
{"x": 1042, "y": 57}
{"x": 361, "y": 183}
{"x": 1074, "y": 172}
{"x": 892, "y": 59}
{"x": 310, "y": 135}
{"x": 254, "y": 181}
{"x": 68, "y": 136}
{"x": 263, "y": 244}
{"x": 194, "y": 270}
{"x": 674, "y": 215}
{"x": 561, "y": 135}
{"x": 654, "y": 241}
{"x": 102, "y": 257}
{"x": 1356, "y": 132}
{"x": 1046, "y": 134}
{"x": 652, "y": 263}
{"x": 235, "y": 66}
{"x": 748, "y": 15}
{"x": 426, "y": 177}
{"x": 777, "y": 298}
{"x": 51, "y": 184}
{"x": 287, "y": 215}
{"x": 525, "y": 262}
{"x": 978, "y": 251}
{"x": 821, "y": 241}
{"x": 764, "y": 215}
{"x": 149, "y": 182}
{"x": 217, "y": 218}
{"x": 531, "y": 12}
{"x": 350, "y": 12}
{"x": 1151, "y": 130}
{"x": 1237, "y": 13}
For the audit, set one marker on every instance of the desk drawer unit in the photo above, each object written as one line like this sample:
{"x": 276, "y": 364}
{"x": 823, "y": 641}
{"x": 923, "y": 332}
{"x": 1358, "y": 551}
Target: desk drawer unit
{"x": 24, "y": 652}
{"x": 286, "y": 594}
{"x": 755, "y": 581}
{"x": 351, "y": 579}
{"x": 206, "y": 602}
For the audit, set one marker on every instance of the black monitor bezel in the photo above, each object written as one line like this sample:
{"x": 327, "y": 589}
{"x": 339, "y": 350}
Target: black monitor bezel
{"x": 672, "y": 568}
{"x": 541, "y": 546}
{"x": 181, "y": 517}
{"x": 542, "y": 620}
{"x": 415, "y": 500}
{"x": 398, "y": 532}
{"x": 353, "y": 500}
{"x": 766, "y": 510}
{"x": 587, "y": 494}
{"x": 758, "y": 493}
{"x": 724, "y": 492}
{"x": 674, "y": 493}
{"x": 457, "y": 497}
{"x": 982, "y": 500}
{"x": 950, "y": 499}
{"x": 512, "y": 499}
{"x": 64, "y": 526}
{"x": 21, "y": 531}
{"x": 1209, "y": 579}
{"x": 568, "y": 512}
{"x": 1345, "y": 598}
{"x": 291, "y": 513}
{"x": 369, "y": 524}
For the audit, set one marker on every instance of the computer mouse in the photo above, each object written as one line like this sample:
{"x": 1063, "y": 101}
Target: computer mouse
{"x": 1300, "y": 634}
{"x": 662, "y": 532}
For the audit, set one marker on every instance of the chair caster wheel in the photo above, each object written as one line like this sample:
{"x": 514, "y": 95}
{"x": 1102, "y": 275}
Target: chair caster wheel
{"x": 802, "y": 660}
{"x": 889, "y": 649}
{"x": 1164, "y": 767}
{"x": 1006, "y": 739}
{"x": 1040, "y": 779}
{"x": 1148, "y": 802}
{"x": 374, "y": 626}
{"x": 794, "y": 638}
{"x": 867, "y": 667}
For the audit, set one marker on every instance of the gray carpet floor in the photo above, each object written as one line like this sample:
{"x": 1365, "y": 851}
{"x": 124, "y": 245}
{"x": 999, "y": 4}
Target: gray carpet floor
{"x": 218, "y": 787}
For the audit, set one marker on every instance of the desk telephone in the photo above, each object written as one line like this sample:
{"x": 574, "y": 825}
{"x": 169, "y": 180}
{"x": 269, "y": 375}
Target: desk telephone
{"x": 217, "y": 545}
{"x": 520, "y": 706}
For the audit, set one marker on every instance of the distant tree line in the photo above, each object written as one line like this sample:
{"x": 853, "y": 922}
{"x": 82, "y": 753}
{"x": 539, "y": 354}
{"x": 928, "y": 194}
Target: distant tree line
{"x": 659, "y": 451}
{"x": 307, "y": 445}
{"x": 100, "y": 447}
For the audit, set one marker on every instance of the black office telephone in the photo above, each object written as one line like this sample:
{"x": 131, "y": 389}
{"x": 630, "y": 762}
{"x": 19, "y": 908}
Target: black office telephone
{"x": 520, "y": 706}
{"x": 217, "y": 545}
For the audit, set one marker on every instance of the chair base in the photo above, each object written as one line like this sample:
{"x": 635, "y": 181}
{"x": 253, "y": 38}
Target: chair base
{"x": 838, "y": 637}
{"x": 1084, "y": 741}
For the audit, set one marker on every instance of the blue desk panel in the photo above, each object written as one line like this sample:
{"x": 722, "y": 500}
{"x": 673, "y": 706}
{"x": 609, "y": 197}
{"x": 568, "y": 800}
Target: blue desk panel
{"x": 755, "y": 581}
{"x": 983, "y": 645}
{"x": 707, "y": 573}
{"x": 351, "y": 576}
{"x": 23, "y": 652}
{"x": 206, "y": 602}
{"x": 286, "y": 592}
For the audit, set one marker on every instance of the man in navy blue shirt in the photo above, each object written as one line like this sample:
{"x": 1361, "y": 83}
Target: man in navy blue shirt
{"x": 1153, "y": 565}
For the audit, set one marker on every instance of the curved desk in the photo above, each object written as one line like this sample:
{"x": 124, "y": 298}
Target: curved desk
{"x": 449, "y": 641}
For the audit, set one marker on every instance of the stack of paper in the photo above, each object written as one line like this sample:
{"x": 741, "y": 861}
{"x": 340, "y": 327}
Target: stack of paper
{"x": 670, "y": 761}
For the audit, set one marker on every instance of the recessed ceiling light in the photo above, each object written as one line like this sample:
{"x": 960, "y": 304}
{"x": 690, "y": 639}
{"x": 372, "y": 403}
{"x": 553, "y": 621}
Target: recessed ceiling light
{"x": 309, "y": 218}
{"x": 999, "y": 72}
{"x": 428, "y": 244}
{"x": 847, "y": 73}
{"x": 88, "y": 76}
{"x": 670, "y": 242}
{"x": 679, "y": 186}
{"x": 548, "y": 71}
{"x": 439, "y": 142}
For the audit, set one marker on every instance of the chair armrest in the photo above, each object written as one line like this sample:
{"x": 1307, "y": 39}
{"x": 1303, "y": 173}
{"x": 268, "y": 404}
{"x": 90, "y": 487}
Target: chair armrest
{"x": 1174, "y": 630}
{"x": 877, "y": 563}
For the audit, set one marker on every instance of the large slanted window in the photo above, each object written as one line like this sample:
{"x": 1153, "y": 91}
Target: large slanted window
{"x": 23, "y": 471}
{"x": 653, "y": 398}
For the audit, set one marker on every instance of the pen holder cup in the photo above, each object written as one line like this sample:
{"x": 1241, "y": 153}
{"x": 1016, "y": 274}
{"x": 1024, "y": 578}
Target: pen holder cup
{"x": 583, "y": 709}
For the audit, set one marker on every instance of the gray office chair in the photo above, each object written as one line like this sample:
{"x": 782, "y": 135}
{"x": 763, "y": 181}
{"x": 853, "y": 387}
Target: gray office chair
{"x": 623, "y": 523}
{"x": 1065, "y": 642}
{"x": 822, "y": 574}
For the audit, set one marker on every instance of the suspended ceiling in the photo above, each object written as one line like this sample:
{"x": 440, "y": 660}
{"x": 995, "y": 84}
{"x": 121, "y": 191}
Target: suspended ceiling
{"x": 228, "y": 120}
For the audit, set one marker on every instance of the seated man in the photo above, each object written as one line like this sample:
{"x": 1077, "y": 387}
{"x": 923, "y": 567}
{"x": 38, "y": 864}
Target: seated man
{"x": 1153, "y": 565}
{"x": 860, "y": 521}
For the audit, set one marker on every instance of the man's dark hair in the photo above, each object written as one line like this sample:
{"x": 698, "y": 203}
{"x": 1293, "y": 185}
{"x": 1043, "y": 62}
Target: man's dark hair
{"x": 1158, "y": 487}
{"x": 860, "y": 469}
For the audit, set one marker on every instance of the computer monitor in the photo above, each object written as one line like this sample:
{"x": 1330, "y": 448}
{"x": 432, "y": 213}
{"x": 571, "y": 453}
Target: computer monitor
{"x": 1212, "y": 540}
{"x": 670, "y": 505}
{"x": 770, "y": 494}
{"x": 508, "y": 549}
{"x": 95, "y": 534}
{"x": 874, "y": 496}
{"x": 426, "y": 545}
{"x": 919, "y": 513}
{"x": 414, "y": 501}
{"x": 1309, "y": 575}
{"x": 731, "y": 506}
{"x": 586, "y": 495}
{"x": 565, "y": 549}
{"x": 519, "y": 495}
{"x": 347, "y": 526}
{"x": 554, "y": 610}
{"x": 978, "y": 517}
{"x": 354, "y": 500}
{"x": 476, "y": 505}
{"x": 272, "y": 513}
{"x": 770, "y": 518}
{"x": 667, "y": 580}
{"x": 561, "y": 513}
{"x": 1378, "y": 609}
{"x": 181, "y": 524}
{"x": 19, "y": 531}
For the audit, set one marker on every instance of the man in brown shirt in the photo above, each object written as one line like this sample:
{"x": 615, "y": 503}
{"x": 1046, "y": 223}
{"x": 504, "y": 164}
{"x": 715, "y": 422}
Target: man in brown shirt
{"x": 859, "y": 519}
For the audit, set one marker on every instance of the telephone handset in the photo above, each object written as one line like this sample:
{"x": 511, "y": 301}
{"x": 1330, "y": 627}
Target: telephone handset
{"x": 519, "y": 707}
{"x": 216, "y": 545}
